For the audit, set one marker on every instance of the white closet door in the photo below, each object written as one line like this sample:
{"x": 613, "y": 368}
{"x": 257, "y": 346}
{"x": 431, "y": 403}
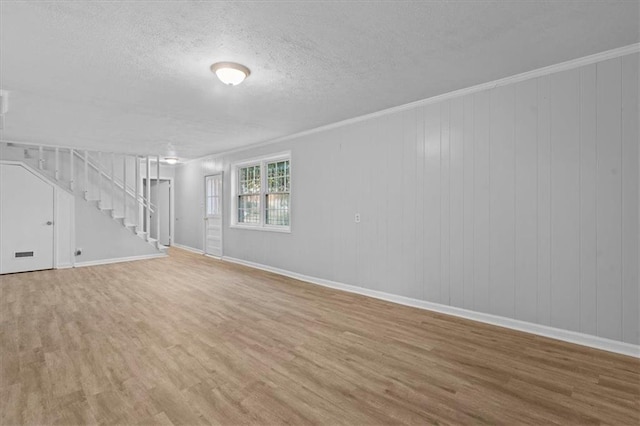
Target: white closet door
{"x": 26, "y": 221}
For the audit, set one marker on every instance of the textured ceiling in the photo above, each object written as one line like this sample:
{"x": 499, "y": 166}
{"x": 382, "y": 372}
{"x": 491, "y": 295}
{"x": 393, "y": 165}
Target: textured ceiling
{"x": 134, "y": 76}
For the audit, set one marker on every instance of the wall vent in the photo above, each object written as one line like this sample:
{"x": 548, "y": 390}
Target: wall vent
{"x": 24, "y": 254}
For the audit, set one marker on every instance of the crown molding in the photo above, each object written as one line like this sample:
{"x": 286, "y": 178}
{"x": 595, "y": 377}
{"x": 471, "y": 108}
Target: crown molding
{"x": 539, "y": 72}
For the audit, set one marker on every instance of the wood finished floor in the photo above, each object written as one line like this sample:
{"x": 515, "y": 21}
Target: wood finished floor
{"x": 191, "y": 340}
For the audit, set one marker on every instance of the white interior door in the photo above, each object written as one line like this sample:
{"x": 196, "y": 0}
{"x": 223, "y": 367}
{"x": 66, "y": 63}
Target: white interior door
{"x": 161, "y": 196}
{"x": 26, "y": 221}
{"x": 213, "y": 215}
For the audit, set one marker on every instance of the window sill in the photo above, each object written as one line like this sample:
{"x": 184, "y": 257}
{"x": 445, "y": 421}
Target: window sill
{"x": 262, "y": 228}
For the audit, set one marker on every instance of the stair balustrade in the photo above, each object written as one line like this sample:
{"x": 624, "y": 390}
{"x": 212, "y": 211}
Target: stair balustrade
{"x": 61, "y": 164}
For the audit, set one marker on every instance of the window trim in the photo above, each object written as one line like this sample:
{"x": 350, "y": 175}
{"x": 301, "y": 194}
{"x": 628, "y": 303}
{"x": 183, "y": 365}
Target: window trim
{"x": 262, "y": 162}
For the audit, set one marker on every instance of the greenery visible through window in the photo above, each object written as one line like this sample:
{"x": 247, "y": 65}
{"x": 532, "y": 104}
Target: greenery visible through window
{"x": 263, "y": 193}
{"x": 249, "y": 194}
{"x": 277, "y": 197}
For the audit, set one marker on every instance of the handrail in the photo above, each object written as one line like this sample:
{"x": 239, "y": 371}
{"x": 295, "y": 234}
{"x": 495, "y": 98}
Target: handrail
{"x": 49, "y": 147}
{"x": 90, "y": 162}
{"x": 143, "y": 204}
{"x": 130, "y": 191}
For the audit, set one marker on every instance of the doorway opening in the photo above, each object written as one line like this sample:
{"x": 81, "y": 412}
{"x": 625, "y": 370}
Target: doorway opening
{"x": 162, "y": 198}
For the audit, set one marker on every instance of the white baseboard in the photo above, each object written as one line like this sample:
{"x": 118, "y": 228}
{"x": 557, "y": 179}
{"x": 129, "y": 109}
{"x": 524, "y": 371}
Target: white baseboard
{"x": 64, "y": 266}
{"x": 528, "y": 327}
{"x": 119, "y": 259}
{"x": 187, "y": 248}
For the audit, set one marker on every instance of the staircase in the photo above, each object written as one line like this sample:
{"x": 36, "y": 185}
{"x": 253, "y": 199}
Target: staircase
{"x": 111, "y": 182}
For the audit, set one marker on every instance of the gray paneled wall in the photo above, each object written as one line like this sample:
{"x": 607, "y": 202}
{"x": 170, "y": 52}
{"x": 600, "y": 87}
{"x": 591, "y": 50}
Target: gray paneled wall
{"x": 519, "y": 201}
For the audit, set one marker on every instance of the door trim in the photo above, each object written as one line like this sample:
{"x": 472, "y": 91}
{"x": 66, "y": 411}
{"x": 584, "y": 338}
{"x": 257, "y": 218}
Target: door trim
{"x": 143, "y": 180}
{"x": 204, "y": 216}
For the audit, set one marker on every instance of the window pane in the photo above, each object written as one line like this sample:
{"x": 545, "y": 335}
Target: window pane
{"x": 249, "y": 209}
{"x": 278, "y": 178}
{"x": 216, "y": 206}
{"x": 249, "y": 180}
{"x": 277, "y": 209}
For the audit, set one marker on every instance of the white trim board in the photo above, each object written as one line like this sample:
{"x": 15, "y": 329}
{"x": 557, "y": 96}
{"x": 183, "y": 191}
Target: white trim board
{"x": 527, "y": 327}
{"x": 118, "y": 260}
{"x": 540, "y": 72}
{"x": 187, "y": 248}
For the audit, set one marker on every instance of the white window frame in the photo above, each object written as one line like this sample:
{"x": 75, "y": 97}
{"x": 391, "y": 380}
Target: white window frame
{"x": 262, "y": 162}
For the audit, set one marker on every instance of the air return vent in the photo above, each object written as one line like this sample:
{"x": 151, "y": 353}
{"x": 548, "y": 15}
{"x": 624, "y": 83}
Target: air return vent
{"x": 24, "y": 254}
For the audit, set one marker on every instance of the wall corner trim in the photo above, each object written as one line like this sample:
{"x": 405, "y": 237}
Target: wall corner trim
{"x": 119, "y": 260}
{"x": 527, "y": 327}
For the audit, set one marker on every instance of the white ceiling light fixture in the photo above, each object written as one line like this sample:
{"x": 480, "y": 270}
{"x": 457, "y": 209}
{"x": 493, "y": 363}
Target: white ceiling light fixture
{"x": 230, "y": 73}
{"x": 171, "y": 160}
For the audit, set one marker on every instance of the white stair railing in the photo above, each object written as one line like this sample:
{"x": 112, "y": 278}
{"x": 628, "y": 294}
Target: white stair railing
{"x": 104, "y": 176}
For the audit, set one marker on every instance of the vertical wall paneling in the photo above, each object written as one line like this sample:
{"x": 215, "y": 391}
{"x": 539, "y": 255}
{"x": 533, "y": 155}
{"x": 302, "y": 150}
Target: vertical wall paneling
{"x": 526, "y": 197}
{"x": 419, "y": 199}
{"x": 482, "y": 208}
{"x": 380, "y": 137}
{"x": 387, "y": 184}
{"x": 468, "y": 205}
{"x": 565, "y": 200}
{"x": 347, "y": 204}
{"x": 445, "y": 202}
{"x": 333, "y": 182}
{"x": 588, "y": 201}
{"x": 544, "y": 203}
{"x": 630, "y": 231}
{"x": 609, "y": 185}
{"x": 456, "y": 204}
{"x": 521, "y": 201}
{"x": 432, "y": 202}
{"x": 410, "y": 238}
{"x": 394, "y": 200}
{"x": 368, "y": 214}
{"x": 502, "y": 201}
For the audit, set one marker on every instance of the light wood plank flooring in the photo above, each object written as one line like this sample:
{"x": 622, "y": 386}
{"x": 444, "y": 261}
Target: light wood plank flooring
{"x": 191, "y": 340}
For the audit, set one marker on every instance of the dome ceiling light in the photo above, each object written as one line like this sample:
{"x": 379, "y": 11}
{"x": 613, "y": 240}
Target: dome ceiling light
{"x": 230, "y": 73}
{"x": 170, "y": 160}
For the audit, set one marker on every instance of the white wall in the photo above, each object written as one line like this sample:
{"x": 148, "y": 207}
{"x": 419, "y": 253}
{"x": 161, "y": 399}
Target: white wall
{"x": 102, "y": 238}
{"x": 64, "y": 228}
{"x": 519, "y": 201}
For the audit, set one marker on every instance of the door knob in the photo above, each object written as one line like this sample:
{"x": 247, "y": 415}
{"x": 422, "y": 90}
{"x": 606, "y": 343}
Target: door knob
{"x": 49, "y": 223}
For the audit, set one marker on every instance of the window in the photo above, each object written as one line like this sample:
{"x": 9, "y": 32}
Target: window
{"x": 213, "y": 187}
{"x": 277, "y": 194}
{"x": 262, "y": 194}
{"x": 249, "y": 194}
